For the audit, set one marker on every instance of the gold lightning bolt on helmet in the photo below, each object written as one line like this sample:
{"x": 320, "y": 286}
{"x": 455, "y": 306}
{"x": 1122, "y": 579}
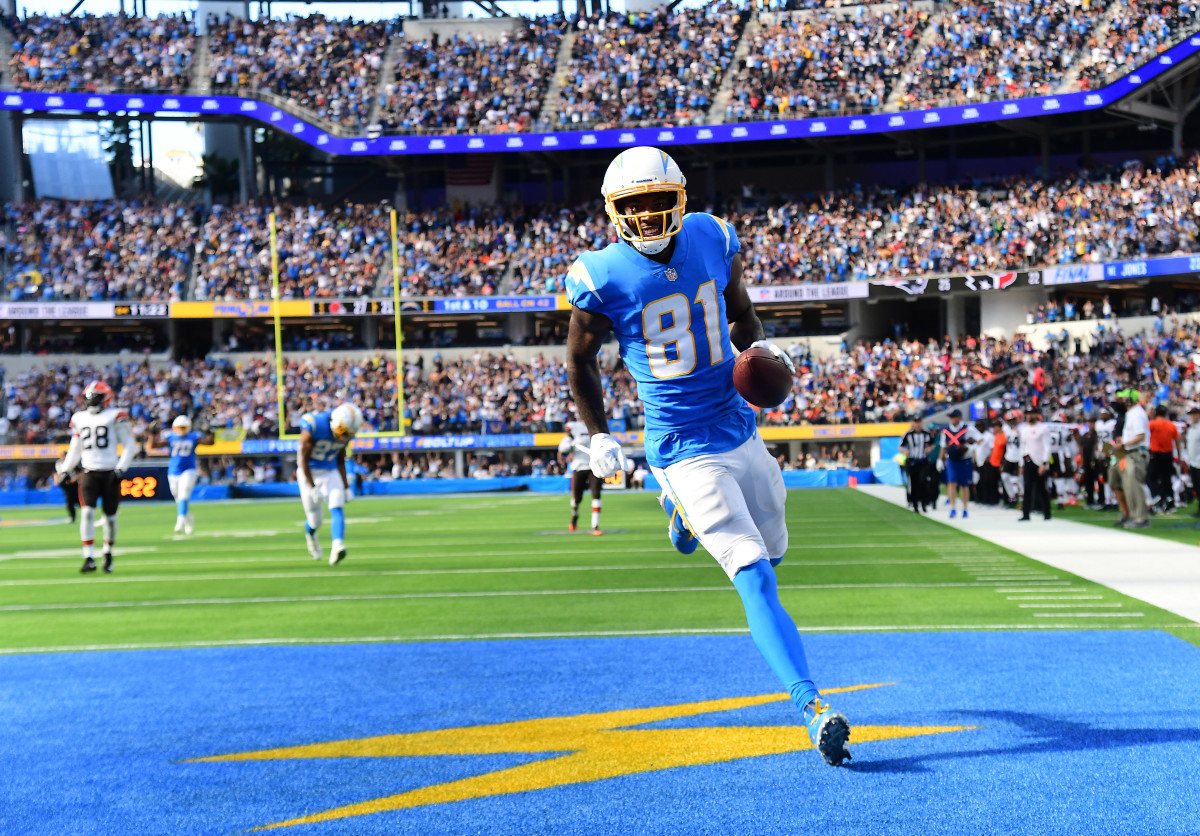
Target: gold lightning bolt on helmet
{"x": 644, "y": 170}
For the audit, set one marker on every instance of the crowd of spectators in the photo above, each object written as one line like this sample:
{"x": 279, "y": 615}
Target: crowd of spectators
{"x": 469, "y": 84}
{"x": 1138, "y": 31}
{"x": 803, "y": 64}
{"x": 55, "y": 249}
{"x": 322, "y": 252}
{"x": 983, "y": 51}
{"x": 329, "y": 66}
{"x": 648, "y": 68}
{"x": 126, "y": 250}
{"x": 101, "y": 54}
{"x": 658, "y": 67}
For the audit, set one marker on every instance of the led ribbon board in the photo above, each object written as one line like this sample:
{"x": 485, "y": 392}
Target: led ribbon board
{"x": 106, "y": 104}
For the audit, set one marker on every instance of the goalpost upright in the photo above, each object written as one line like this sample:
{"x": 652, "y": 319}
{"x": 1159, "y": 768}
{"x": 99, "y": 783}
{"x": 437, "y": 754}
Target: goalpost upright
{"x": 281, "y": 387}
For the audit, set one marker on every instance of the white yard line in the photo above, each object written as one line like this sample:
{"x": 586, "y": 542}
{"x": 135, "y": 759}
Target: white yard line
{"x": 1055, "y": 597}
{"x": 1089, "y": 615}
{"x": 334, "y": 573}
{"x": 1160, "y": 572}
{"x": 1112, "y": 605}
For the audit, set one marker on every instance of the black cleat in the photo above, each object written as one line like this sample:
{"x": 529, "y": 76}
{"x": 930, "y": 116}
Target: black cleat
{"x": 108, "y": 564}
{"x": 89, "y": 565}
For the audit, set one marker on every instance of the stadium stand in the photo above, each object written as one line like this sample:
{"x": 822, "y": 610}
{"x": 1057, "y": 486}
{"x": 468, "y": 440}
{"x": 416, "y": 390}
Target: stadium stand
{"x": 97, "y": 251}
{"x": 1138, "y": 31}
{"x": 468, "y": 84}
{"x": 102, "y": 54}
{"x": 802, "y": 64}
{"x": 329, "y": 66}
{"x": 335, "y": 252}
{"x": 648, "y": 68}
{"x": 1002, "y": 50}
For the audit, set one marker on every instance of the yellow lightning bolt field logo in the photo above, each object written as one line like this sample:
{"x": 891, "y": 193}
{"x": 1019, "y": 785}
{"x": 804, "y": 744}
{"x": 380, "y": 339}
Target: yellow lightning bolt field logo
{"x": 587, "y": 747}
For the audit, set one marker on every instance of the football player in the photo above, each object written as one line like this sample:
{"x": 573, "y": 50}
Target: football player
{"x": 575, "y": 445}
{"x": 671, "y": 292}
{"x": 96, "y": 433}
{"x": 322, "y": 465}
{"x": 181, "y": 467}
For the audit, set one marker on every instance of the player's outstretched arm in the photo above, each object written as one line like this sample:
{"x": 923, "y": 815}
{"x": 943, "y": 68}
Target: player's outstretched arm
{"x": 306, "y": 447}
{"x": 745, "y": 328}
{"x": 129, "y": 445}
{"x": 584, "y": 337}
{"x": 73, "y": 457}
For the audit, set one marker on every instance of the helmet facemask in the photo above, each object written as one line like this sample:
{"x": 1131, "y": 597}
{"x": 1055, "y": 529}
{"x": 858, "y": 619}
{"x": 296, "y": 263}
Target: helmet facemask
{"x": 649, "y": 232}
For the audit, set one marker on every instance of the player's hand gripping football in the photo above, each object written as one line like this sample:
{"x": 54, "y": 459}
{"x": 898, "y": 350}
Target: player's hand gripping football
{"x": 606, "y": 454}
{"x": 777, "y": 351}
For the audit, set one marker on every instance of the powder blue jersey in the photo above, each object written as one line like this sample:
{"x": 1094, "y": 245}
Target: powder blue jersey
{"x": 325, "y": 450}
{"x": 183, "y": 452}
{"x": 669, "y": 320}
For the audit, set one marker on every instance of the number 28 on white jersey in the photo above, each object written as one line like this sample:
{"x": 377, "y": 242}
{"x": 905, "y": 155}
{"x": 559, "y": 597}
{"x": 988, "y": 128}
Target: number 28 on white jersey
{"x": 97, "y": 434}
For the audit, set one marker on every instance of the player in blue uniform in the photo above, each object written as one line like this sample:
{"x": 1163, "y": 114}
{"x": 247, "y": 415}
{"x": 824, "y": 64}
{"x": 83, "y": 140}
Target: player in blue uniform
{"x": 182, "y": 473}
{"x": 322, "y": 474}
{"x": 671, "y": 291}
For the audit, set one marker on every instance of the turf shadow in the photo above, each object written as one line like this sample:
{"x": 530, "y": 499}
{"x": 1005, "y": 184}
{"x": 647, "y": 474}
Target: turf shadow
{"x": 1048, "y": 733}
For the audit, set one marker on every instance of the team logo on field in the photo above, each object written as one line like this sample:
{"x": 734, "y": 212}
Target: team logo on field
{"x": 580, "y": 749}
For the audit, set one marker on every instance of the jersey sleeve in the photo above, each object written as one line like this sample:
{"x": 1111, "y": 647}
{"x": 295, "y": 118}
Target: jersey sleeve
{"x": 729, "y": 240}
{"x": 581, "y": 288}
{"x": 564, "y": 446}
{"x": 308, "y": 421}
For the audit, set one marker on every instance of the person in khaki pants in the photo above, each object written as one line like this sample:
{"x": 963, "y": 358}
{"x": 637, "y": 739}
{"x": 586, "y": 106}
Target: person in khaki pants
{"x": 1135, "y": 441}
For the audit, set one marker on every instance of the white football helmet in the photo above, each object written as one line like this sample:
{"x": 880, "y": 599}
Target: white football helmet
{"x": 346, "y": 421}
{"x": 645, "y": 170}
{"x": 182, "y": 425}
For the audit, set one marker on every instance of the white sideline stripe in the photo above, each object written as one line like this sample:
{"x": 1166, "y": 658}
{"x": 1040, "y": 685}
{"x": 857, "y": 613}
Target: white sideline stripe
{"x": 1055, "y": 597}
{"x": 577, "y": 634}
{"x": 328, "y": 573}
{"x": 1069, "y": 606}
{"x": 1160, "y": 572}
{"x": 1089, "y": 615}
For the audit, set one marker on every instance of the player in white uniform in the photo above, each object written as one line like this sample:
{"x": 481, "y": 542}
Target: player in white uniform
{"x": 1011, "y": 469}
{"x": 1106, "y": 428}
{"x": 96, "y": 434}
{"x": 575, "y": 445}
{"x": 1062, "y": 459}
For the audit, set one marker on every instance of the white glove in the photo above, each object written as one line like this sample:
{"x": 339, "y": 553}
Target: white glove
{"x": 941, "y": 465}
{"x": 606, "y": 455}
{"x": 777, "y": 351}
{"x": 349, "y": 495}
{"x": 58, "y": 468}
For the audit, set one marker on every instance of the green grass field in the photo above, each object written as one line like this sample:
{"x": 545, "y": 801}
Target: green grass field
{"x": 1180, "y": 527}
{"x": 502, "y": 565}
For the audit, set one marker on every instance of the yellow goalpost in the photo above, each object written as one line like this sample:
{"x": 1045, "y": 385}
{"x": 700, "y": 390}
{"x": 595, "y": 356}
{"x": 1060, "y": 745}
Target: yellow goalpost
{"x": 281, "y": 388}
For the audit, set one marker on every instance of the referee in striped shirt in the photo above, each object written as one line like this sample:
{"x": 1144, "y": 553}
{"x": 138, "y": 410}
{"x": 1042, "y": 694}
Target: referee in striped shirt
{"x": 916, "y": 446}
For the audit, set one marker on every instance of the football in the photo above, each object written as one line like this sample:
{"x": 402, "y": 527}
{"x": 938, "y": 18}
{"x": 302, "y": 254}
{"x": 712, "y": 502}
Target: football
{"x": 761, "y": 378}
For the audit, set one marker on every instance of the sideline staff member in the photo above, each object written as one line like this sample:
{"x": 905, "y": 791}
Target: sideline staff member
{"x": 1035, "y": 455}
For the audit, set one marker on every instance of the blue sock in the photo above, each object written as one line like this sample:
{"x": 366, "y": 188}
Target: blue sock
{"x": 183, "y": 507}
{"x": 337, "y": 523}
{"x": 774, "y": 631}
{"x": 308, "y": 529}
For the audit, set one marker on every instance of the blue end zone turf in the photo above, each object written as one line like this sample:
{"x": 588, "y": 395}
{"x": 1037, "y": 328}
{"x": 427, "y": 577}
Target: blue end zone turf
{"x": 1074, "y": 733}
